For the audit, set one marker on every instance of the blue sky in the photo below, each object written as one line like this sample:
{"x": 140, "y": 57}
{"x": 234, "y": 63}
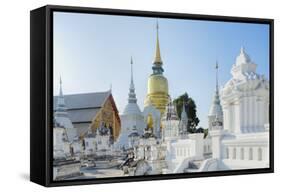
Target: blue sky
{"x": 91, "y": 52}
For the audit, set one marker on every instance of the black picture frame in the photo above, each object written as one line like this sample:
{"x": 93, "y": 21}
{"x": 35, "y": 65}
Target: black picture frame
{"x": 41, "y": 93}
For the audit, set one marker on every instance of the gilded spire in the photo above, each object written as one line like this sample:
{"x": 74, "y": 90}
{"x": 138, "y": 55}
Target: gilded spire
{"x": 157, "y": 58}
{"x": 157, "y": 86}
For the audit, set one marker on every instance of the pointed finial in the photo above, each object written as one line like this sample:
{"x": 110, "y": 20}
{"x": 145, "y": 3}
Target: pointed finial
{"x": 60, "y": 104}
{"x": 217, "y": 64}
{"x": 110, "y": 87}
{"x": 131, "y": 69}
{"x": 242, "y": 50}
{"x": 132, "y": 95}
{"x": 217, "y": 83}
{"x": 157, "y": 26}
{"x": 157, "y": 59}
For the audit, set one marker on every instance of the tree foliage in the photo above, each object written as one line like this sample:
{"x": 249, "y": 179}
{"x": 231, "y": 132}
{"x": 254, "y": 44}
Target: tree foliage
{"x": 190, "y": 108}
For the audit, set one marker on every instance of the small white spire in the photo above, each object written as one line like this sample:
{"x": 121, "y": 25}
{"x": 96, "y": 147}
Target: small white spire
{"x": 132, "y": 95}
{"x": 183, "y": 126}
{"x": 183, "y": 113}
{"x": 60, "y": 105}
{"x": 60, "y": 93}
{"x": 61, "y": 115}
{"x": 216, "y": 108}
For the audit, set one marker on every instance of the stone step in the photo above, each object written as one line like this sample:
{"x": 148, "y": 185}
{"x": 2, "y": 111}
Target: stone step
{"x": 190, "y": 170}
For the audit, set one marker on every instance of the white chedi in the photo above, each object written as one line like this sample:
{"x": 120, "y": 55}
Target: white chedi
{"x": 61, "y": 146}
{"x": 64, "y": 134}
{"x": 215, "y": 113}
{"x": 61, "y": 116}
{"x": 132, "y": 119}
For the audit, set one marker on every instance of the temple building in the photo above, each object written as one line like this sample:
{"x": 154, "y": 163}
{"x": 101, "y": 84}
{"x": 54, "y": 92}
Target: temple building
{"x": 245, "y": 97}
{"x": 157, "y": 85}
{"x": 241, "y": 139}
{"x": 132, "y": 119}
{"x": 90, "y": 110}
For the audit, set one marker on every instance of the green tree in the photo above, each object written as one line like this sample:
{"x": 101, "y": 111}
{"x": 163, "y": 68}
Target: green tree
{"x": 202, "y": 130}
{"x": 190, "y": 108}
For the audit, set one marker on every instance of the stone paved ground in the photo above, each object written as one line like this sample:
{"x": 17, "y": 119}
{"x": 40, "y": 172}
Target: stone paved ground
{"x": 99, "y": 173}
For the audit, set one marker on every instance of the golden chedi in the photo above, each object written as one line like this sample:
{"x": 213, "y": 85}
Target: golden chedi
{"x": 150, "y": 122}
{"x": 157, "y": 85}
